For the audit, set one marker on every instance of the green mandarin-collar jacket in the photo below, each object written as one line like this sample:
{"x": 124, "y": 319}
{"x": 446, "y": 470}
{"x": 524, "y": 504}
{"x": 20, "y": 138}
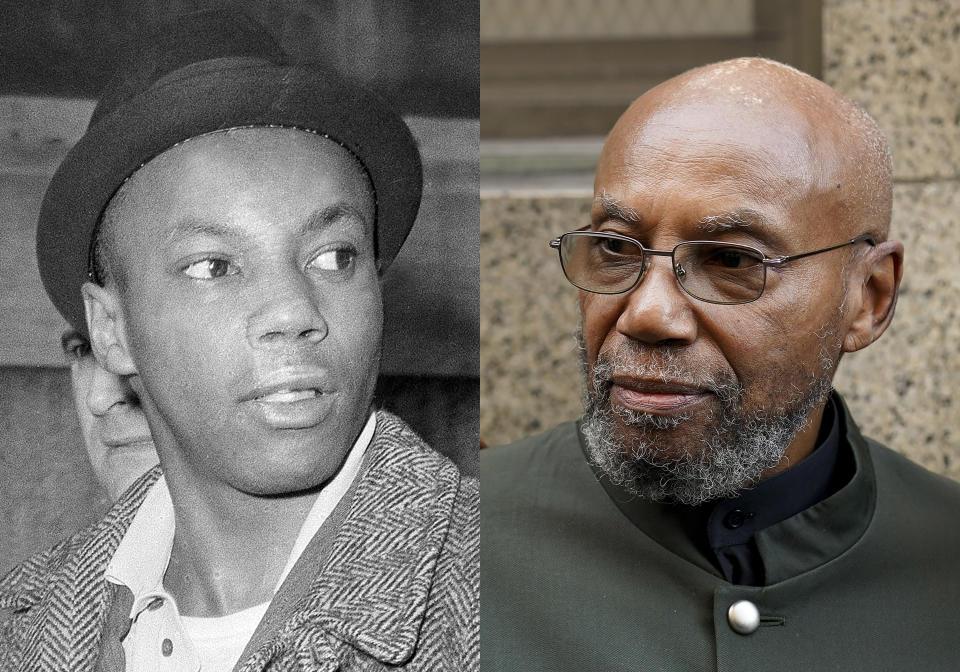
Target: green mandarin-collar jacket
{"x": 399, "y": 588}
{"x": 578, "y": 576}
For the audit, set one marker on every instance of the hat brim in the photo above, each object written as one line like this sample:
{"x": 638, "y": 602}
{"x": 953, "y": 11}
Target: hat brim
{"x": 205, "y": 97}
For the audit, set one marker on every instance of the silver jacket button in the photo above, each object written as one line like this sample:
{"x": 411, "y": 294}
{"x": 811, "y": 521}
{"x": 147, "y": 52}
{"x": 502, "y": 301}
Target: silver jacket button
{"x": 743, "y": 617}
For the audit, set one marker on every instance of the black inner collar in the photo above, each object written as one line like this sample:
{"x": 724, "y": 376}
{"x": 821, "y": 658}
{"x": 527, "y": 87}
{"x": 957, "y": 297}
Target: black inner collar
{"x": 732, "y": 523}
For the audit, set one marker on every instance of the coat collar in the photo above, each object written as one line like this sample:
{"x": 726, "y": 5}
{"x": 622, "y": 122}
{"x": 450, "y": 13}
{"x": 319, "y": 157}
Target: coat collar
{"x": 372, "y": 592}
{"x": 65, "y": 592}
{"x": 829, "y": 528}
{"x": 791, "y": 547}
{"x": 26, "y": 584}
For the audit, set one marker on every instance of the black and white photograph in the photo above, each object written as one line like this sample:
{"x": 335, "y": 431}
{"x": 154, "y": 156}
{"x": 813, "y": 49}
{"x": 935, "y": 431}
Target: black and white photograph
{"x": 240, "y": 365}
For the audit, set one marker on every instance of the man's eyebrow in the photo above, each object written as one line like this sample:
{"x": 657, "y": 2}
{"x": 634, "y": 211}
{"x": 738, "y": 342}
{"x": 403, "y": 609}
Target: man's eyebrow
{"x": 196, "y": 226}
{"x": 318, "y": 220}
{"x": 611, "y": 208}
{"x": 743, "y": 218}
{"x": 321, "y": 218}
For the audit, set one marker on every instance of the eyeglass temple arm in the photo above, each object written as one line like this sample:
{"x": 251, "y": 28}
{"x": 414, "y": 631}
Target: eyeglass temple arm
{"x": 865, "y": 238}
{"x": 555, "y": 243}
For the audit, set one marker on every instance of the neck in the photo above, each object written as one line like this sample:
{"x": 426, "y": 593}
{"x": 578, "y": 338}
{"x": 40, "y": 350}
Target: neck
{"x": 229, "y": 547}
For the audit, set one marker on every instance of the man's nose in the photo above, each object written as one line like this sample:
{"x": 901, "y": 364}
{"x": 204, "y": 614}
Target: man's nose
{"x": 289, "y": 313}
{"x": 107, "y": 392}
{"x": 657, "y": 311}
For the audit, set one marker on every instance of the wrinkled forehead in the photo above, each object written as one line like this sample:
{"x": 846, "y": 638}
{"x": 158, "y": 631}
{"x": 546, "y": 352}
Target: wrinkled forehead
{"x": 776, "y": 138}
{"x": 728, "y": 154}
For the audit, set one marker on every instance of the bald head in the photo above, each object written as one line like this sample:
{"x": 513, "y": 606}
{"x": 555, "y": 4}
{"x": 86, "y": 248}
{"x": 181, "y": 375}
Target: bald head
{"x": 813, "y": 144}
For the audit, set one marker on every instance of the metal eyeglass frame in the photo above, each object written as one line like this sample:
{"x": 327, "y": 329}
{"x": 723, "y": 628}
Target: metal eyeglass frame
{"x": 679, "y": 272}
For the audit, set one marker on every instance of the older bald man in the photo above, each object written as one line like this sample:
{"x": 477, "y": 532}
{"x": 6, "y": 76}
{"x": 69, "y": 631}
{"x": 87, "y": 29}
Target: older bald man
{"x": 717, "y": 508}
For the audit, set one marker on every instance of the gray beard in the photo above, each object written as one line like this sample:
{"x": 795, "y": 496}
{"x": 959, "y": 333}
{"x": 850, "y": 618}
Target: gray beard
{"x": 732, "y": 454}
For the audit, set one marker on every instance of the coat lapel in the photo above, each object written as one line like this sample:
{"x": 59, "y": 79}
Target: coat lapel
{"x": 372, "y": 592}
{"x": 67, "y": 594}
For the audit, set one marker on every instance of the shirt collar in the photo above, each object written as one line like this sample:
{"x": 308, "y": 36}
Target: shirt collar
{"x": 735, "y": 520}
{"x": 141, "y": 559}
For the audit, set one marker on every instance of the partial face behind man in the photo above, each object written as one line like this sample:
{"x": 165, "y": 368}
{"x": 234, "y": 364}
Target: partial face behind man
{"x": 243, "y": 299}
{"x": 690, "y": 400}
{"x": 114, "y": 429}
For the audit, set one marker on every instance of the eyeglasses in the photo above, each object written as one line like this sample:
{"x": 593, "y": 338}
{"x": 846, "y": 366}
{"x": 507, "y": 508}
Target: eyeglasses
{"x": 724, "y": 273}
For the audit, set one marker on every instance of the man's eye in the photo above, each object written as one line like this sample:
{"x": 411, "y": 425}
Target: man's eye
{"x": 338, "y": 259}
{"x": 74, "y": 345}
{"x": 77, "y": 348}
{"x": 617, "y": 247}
{"x": 612, "y": 245}
{"x": 209, "y": 269}
{"x": 731, "y": 258}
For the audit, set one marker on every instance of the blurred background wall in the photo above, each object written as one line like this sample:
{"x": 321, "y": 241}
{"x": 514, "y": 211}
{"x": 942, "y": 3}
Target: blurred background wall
{"x": 542, "y": 126}
{"x": 422, "y": 58}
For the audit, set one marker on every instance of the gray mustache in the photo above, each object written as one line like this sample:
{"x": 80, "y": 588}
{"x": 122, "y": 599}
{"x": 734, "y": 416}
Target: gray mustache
{"x": 667, "y": 366}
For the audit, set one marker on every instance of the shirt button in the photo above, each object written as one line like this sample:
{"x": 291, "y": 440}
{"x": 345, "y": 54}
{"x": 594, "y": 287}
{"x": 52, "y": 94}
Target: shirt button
{"x": 736, "y": 518}
{"x": 744, "y": 617}
{"x": 166, "y": 648}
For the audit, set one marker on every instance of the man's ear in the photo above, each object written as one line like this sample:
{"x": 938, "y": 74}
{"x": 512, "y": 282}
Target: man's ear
{"x": 105, "y": 324}
{"x": 878, "y": 295}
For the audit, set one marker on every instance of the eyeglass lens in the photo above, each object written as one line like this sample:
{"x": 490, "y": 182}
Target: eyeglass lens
{"x": 715, "y": 272}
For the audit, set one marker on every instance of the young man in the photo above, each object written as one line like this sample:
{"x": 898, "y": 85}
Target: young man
{"x": 221, "y": 233}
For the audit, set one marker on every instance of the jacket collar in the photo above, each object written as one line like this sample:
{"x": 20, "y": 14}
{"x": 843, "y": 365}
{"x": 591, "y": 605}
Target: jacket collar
{"x": 372, "y": 592}
{"x": 791, "y": 547}
{"x": 55, "y": 583}
{"x": 827, "y": 529}
{"x": 26, "y": 584}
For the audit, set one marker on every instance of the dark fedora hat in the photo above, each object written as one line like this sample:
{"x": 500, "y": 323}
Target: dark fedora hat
{"x": 205, "y": 72}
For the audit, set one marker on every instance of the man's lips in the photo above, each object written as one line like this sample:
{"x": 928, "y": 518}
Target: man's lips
{"x": 291, "y": 398}
{"x": 655, "y": 396}
{"x": 289, "y": 384}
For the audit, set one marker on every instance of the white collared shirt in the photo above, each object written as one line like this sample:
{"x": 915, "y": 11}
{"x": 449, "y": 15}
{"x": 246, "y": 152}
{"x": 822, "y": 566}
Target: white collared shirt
{"x": 162, "y": 640}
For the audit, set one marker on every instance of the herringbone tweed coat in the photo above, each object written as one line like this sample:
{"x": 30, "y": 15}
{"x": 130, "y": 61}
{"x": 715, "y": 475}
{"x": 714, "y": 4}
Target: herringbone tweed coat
{"x": 400, "y": 588}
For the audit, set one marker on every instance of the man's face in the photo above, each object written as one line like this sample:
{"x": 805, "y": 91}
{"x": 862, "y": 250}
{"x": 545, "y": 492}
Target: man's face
{"x": 113, "y": 425}
{"x": 690, "y": 400}
{"x": 251, "y": 305}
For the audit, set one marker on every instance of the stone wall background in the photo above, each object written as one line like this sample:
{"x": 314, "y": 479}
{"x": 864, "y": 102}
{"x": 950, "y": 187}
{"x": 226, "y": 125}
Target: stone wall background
{"x": 901, "y": 60}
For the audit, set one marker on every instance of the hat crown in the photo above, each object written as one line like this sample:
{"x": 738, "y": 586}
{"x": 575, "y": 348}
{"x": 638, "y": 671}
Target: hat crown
{"x": 188, "y": 39}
